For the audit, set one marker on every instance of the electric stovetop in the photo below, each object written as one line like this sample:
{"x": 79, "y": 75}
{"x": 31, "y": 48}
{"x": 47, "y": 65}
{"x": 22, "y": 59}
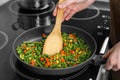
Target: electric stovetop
{"x": 14, "y": 21}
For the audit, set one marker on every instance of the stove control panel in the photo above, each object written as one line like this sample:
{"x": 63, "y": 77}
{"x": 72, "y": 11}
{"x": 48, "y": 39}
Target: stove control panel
{"x": 104, "y": 26}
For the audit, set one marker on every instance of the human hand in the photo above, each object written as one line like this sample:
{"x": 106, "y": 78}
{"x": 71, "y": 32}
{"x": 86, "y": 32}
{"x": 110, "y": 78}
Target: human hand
{"x": 113, "y": 55}
{"x": 71, "y": 7}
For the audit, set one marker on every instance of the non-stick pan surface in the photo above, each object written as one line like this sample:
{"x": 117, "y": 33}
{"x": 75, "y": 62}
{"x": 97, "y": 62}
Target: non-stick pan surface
{"x": 34, "y": 34}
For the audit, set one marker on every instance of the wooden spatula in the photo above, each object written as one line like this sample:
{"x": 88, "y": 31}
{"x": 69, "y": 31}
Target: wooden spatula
{"x": 54, "y": 44}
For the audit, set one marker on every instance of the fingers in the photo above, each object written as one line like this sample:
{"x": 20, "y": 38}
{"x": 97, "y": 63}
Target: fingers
{"x": 62, "y": 5}
{"x": 75, "y": 7}
{"x": 68, "y": 16}
{"x": 109, "y": 64}
{"x": 66, "y": 3}
{"x": 71, "y": 7}
{"x": 113, "y": 61}
{"x": 115, "y": 68}
{"x": 55, "y": 11}
{"x": 66, "y": 12}
{"x": 112, "y": 65}
{"x": 70, "y": 11}
{"x": 107, "y": 54}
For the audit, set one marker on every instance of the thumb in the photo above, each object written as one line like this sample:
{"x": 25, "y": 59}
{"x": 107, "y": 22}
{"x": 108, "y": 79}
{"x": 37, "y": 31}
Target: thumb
{"x": 66, "y": 3}
{"x": 107, "y": 54}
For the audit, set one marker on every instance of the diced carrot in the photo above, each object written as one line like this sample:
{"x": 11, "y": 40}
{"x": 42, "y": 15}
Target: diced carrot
{"x": 77, "y": 49}
{"x": 25, "y": 51}
{"x": 41, "y": 59}
{"x": 32, "y": 62}
{"x": 72, "y": 36}
{"x": 62, "y": 60}
{"x": 47, "y": 59}
{"x": 64, "y": 44}
{"x": 48, "y": 64}
{"x": 43, "y": 35}
{"x": 72, "y": 51}
{"x": 62, "y": 52}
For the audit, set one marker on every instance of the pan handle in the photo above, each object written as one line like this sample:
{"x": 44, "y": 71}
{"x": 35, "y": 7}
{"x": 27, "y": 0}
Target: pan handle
{"x": 98, "y": 59}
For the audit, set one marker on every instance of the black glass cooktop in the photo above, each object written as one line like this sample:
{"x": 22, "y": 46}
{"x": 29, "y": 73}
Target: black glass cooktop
{"x": 13, "y": 22}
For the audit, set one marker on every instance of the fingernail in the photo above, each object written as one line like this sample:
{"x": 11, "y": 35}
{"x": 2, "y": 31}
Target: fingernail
{"x": 67, "y": 19}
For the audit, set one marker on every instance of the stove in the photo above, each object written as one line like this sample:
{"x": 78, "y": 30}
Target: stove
{"x": 14, "y": 21}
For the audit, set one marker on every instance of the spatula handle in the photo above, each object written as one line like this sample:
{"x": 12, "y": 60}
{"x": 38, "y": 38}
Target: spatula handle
{"x": 59, "y": 16}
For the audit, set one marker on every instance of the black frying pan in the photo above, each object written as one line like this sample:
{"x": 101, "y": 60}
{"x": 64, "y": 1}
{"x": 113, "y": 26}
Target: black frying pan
{"x": 34, "y": 34}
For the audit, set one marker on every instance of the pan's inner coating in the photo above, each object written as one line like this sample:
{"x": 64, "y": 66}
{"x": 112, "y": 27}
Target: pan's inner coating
{"x": 74, "y": 52}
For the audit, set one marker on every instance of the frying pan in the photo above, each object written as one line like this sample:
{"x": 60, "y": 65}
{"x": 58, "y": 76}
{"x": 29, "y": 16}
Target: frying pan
{"x": 34, "y": 34}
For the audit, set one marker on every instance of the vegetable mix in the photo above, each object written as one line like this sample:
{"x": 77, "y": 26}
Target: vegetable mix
{"x": 74, "y": 52}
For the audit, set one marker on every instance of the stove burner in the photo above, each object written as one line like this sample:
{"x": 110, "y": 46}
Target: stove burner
{"x": 3, "y": 39}
{"x": 14, "y": 7}
{"x": 25, "y": 74}
{"x": 27, "y": 20}
{"x": 87, "y": 14}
